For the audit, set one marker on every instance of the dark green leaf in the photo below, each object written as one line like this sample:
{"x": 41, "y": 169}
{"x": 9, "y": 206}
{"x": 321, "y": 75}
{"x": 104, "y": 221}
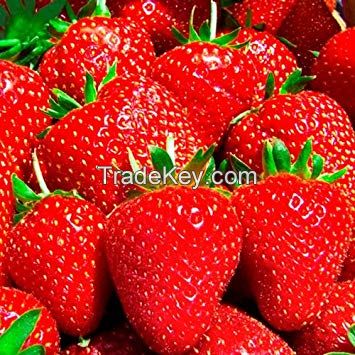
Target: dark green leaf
{"x": 330, "y": 178}
{"x": 269, "y": 164}
{"x": 200, "y": 159}
{"x": 351, "y": 335}
{"x": 50, "y": 11}
{"x": 205, "y": 31}
{"x": 238, "y": 165}
{"x": 295, "y": 83}
{"x": 70, "y": 12}
{"x": 88, "y": 9}
{"x": 227, "y": 3}
{"x": 249, "y": 19}
{"x": 161, "y": 159}
{"x": 90, "y": 89}
{"x": 281, "y": 156}
{"x": 101, "y": 9}
{"x": 3, "y": 16}
{"x": 260, "y": 26}
{"x": 14, "y": 337}
{"x": 59, "y": 25}
{"x": 227, "y": 38}
{"x": 179, "y": 36}
{"x": 315, "y": 53}
{"x": 317, "y": 166}
{"x": 30, "y": 5}
{"x": 300, "y": 167}
{"x": 287, "y": 42}
{"x": 270, "y": 86}
{"x": 22, "y": 191}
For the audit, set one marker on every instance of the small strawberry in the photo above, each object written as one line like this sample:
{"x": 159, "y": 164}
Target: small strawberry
{"x": 96, "y": 43}
{"x": 26, "y": 324}
{"x": 209, "y": 76}
{"x": 297, "y": 236}
{"x": 56, "y": 252}
{"x": 309, "y": 26}
{"x": 159, "y": 16}
{"x": 7, "y": 207}
{"x": 294, "y": 117}
{"x": 335, "y": 70}
{"x": 235, "y": 332}
{"x": 23, "y": 97}
{"x": 120, "y": 341}
{"x": 328, "y": 332}
{"x": 171, "y": 254}
{"x": 132, "y": 112}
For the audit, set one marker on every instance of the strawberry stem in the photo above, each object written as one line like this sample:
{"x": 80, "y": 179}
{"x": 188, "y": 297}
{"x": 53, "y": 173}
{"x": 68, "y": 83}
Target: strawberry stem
{"x": 213, "y": 24}
{"x": 37, "y": 169}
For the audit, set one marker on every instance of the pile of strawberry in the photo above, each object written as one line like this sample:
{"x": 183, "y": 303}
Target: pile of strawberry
{"x": 89, "y": 266}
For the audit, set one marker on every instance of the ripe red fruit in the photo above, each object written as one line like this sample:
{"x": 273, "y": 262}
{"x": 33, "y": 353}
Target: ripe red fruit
{"x": 7, "y": 208}
{"x": 23, "y": 97}
{"x": 297, "y": 237}
{"x": 56, "y": 252}
{"x": 328, "y": 332}
{"x": 172, "y": 253}
{"x": 293, "y": 118}
{"x": 132, "y": 112}
{"x": 269, "y": 56}
{"x": 348, "y": 272}
{"x": 120, "y": 341}
{"x": 335, "y": 70}
{"x": 96, "y": 43}
{"x": 15, "y": 303}
{"x": 234, "y": 332}
{"x": 309, "y": 26}
{"x": 159, "y": 16}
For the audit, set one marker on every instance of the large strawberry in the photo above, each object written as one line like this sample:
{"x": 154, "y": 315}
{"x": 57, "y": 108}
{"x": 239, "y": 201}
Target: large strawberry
{"x": 171, "y": 254}
{"x": 92, "y": 44}
{"x": 119, "y": 341}
{"x": 294, "y": 117}
{"x": 26, "y": 324}
{"x": 159, "y": 16}
{"x": 7, "y": 207}
{"x": 23, "y": 97}
{"x": 209, "y": 76}
{"x": 235, "y": 332}
{"x": 56, "y": 252}
{"x": 329, "y": 332}
{"x": 132, "y": 112}
{"x": 297, "y": 236}
{"x": 335, "y": 70}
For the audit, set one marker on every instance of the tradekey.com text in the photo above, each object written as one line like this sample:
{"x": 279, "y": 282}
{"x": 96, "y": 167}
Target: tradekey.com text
{"x": 172, "y": 176}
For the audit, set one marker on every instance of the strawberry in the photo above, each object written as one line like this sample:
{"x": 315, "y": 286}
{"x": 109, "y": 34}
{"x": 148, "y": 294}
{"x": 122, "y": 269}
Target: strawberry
{"x": 56, "y": 252}
{"x": 309, "y": 26}
{"x": 328, "y": 333}
{"x": 26, "y": 324}
{"x": 297, "y": 236}
{"x": 171, "y": 254}
{"x": 132, "y": 112}
{"x": 7, "y": 207}
{"x": 120, "y": 341}
{"x": 348, "y": 272}
{"x": 23, "y": 97}
{"x": 159, "y": 16}
{"x": 96, "y": 43}
{"x": 235, "y": 332}
{"x": 335, "y": 70}
{"x": 215, "y": 81}
{"x": 294, "y": 117}
{"x": 349, "y": 12}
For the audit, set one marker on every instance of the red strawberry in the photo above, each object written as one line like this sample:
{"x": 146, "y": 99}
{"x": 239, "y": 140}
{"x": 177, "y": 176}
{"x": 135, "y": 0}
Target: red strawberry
{"x": 348, "y": 272}
{"x": 215, "y": 81}
{"x": 159, "y": 16}
{"x": 328, "y": 332}
{"x": 309, "y": 26}
{"x": 269, "y": 55}
{"x": 7, "y": 207}
{"x": 294, "y": 118}
{"x": 172, "y": 253}
{"x": 96, "y": 43}
{"x": 56, "y": 252}
{"x": 269, "y": 12}
{"x": 120, "y": 341}
{"x": 297, "y": 236}
{"x": 132, "y": 113}
{"x": 335, "y": 70}
{"x": 349, "y": 11}
{"x": 23, "y": 97}
{"x": 234, "y": 332}
{"x": 35, "y": 324}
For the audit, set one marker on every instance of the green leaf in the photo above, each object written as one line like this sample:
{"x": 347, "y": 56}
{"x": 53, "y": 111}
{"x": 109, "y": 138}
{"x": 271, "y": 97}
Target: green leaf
{"x": 14, "y": 337}
{"x": 59, "y": 25}
{"x": 249, "y": 19}
{"x": 269, "y": 164}
{"x": 88, "y": 9}
{"x": 200, "y": 160}
{"x": 281, "y": 156}
{"x": 287, "y": 42}
{"x": 227, "y": 3}
{"x": 14, "y": 7}
{"x": 22, "y": 191}
{"x": 227, "y": 38}
{"x": 238, "y": 165}
{"x": 295, "y": 83}
{"x": 101, "y": 9}
{"x": 34, "y": 350}
{"x": 205, "y": 31}
{"x": 30, "y": 5}
{"x": 179, "y": 36}
{"x": 3, "y": 16}
{"x": 315, "y": 53}
{"x": 300, "y": 167}
{"x": 50, "y": 11}
{"x": 260, "y": 26}
{"x": 351, "y": 335}
{"x": 207, "y": 178}
{"x": 70, "y": 12}
{"x": 330, "y": 178}
{"x": 90, "y": 89}
{"x": 161, "y": 159}
{"x": 270, "y": 86}
{"x": 318, "y": 164}
{"x": 339, "y": 353}
{"x": 111, "y": 74}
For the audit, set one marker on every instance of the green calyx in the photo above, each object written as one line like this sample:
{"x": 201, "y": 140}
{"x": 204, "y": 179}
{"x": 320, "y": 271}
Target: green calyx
{"x": 295, "y": 83}
{"x": 202, "y": 165}
{"x": 277, "y": 160}
{"x": 351, "y": 337}
{"x": 63, "y": 103}
{"x": 26, "y": 46}
{"x": 26, "y": 198}
{"x": 208, "y": 32}
{"x": 13, "y": 339}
